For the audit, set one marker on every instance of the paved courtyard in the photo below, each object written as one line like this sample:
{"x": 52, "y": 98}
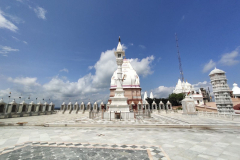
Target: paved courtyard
{"x": 175, "y": 143}
{"x": 99, "y": 139}
{"x": 156, "y": 119}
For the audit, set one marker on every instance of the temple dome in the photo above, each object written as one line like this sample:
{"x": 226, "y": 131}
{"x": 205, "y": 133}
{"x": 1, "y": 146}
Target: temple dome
{"x": 236, "y": 89}
{"x": 130, "y": 76}
{"x": 216, "y": 71}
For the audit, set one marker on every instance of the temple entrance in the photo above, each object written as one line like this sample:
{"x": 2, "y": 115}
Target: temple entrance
{"x": 117, "y": 115}
{"x": 47, "y": 107}
{"x": 14, "y": 108}
{"x": 32, "y": 109}
{"x": 24, "y": 109}
{"x": 1, "y": 108}
{"x": 102, "y": 107}
{"x": 134, "y": 107}
{"x": 197, "y": 101}
{"x": 154, "y": 106}
{"x": 89, "y": 107}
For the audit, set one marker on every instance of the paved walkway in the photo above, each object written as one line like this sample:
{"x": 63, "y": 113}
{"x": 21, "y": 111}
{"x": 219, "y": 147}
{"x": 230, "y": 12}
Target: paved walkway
{"x": 156, "y": 142}
{"x": 156, "y": 119}
{"x": 177, "y": 143}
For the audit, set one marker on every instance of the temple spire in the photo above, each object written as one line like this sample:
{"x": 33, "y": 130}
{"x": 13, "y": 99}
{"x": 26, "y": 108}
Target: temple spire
{"x": 119, "y": 47}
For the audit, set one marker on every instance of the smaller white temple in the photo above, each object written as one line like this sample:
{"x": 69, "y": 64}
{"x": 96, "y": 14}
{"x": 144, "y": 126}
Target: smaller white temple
{"x": 236, "y": 91}
{"x": 95, "y": 106}
{"x": 151, "y": 95}
{"x": 188, "y": 105}
{"x": 145, "y": 97}
{"x": 3, "y": 109}
{"x": 183, "y": 87}
{"x": 82, "y": 107}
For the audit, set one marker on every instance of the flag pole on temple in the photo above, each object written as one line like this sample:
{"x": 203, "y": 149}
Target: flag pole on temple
{"x": 28, "y": 99}
{"x": 9, "y": 97}
{"x": 20, "y": 99}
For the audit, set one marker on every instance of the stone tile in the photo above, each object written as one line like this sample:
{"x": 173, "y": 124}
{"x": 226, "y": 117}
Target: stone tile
{"x": 198, "y": 148}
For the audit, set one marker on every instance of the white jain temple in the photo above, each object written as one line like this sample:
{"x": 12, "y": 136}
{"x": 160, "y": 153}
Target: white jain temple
{"x": 185, "y": 87}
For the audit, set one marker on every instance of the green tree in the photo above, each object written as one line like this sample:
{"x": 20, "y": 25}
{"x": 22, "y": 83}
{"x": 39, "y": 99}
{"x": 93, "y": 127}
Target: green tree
{"x": 176, "y": 99}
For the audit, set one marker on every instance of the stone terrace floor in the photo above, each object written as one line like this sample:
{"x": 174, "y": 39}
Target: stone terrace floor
{"x": 156, "y": 119}
{"x": 96, "y": 141}
{"x": 163, "y": 143}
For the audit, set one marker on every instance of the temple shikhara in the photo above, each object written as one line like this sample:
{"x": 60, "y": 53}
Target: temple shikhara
{"x": 130, "y": 83}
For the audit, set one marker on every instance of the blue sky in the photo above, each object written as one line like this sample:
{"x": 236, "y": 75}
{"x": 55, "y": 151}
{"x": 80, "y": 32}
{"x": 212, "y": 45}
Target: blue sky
{"x": 47, "y": 48}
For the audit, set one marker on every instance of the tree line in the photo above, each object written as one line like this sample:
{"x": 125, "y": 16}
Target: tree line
{"x": 173, "y": 98}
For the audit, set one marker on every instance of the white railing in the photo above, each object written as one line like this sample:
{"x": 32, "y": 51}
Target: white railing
{"x": 219, "y": 115}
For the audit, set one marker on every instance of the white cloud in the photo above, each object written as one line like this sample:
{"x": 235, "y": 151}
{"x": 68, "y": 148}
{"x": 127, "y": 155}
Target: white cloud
{"x": 4, "y": 23}
{"x": 4, "y": 50}
{"x": 25, "y": 81}
{"x": 104, "y": 67}
{"x": 64, "y": 70}
{"x": 15, "y": 38}
{"x": 142, "y": 67}
{"x": 41, "y": 12}
{"x": 203, "y": 84}
{"x": 19, "y": 40}
{"x": 211, "y": 64}
{"x": 90, "y": 67}
{"x": 142, "y": 46}
{"x": 25, "y": 42}
{"x": 162, "y": 92}
{"x": 229, "y": 59}
{"x": 91, "y": 86}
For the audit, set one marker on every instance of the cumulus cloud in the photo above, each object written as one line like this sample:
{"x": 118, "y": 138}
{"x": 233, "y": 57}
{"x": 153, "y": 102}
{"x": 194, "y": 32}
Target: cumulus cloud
{"x": 4, "y": 23}
{"x": 104, "y": 67}
{"x": 203, "y": 84}
{"x": 4, "y": 50}
{"x": 64, "y": 70}
{"x": 91, "y": 87}
{"x": 143, "y": 67}
{"x": 162, "y": 91}
{"x": 41, "y": 12}
{"x": 229, "y": 59}
{"x": 211, "y": 64}
{"x": 24, "y": 81}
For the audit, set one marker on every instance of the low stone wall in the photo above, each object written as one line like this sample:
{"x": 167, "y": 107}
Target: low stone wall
{"x": 206, "y": 108}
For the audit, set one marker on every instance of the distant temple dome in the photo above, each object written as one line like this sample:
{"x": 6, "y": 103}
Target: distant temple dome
{"x": 130, "y": 76}
{"x": 216, "y": 71}
{"x": 183, "y": 87}
{"x": 236, "y": 90}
